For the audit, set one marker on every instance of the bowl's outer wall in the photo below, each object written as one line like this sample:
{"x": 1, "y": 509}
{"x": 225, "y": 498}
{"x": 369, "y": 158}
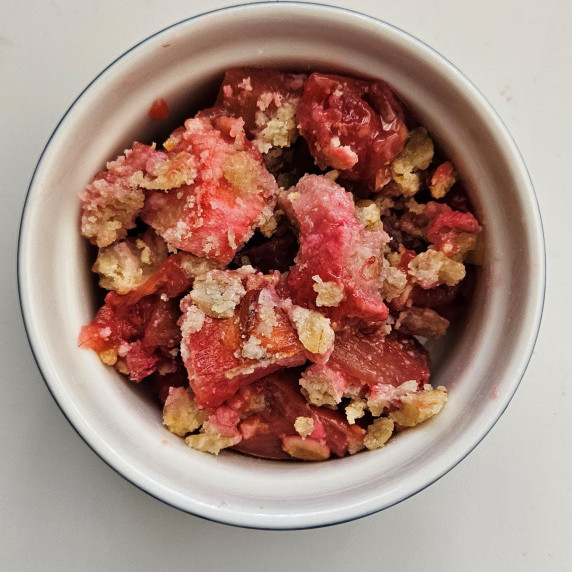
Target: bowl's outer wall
{"x": 481, "y": 364}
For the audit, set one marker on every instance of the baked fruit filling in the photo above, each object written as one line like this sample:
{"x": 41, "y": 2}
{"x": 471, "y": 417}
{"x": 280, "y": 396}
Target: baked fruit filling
{"x": 273, "y": 269}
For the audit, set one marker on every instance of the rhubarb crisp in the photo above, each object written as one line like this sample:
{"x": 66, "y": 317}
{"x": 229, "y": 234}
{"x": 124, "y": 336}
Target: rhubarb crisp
{"x": 273, "y": 269}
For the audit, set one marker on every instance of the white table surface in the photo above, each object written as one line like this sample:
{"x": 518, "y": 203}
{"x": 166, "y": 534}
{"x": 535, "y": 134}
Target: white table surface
{"x": 508, "y": 506}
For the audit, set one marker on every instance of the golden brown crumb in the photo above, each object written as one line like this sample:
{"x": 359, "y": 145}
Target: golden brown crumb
{"x": 383, "y": 395}
{"x": 280, "y": 130}
{"x": 416, "y": 156}
{"x": 108, "y": 357}
{"x": 419, "y": 406}
{"x": 304, "y": 426}
{"x": 121, "y": 366}
{"x": 466, "y": 242}
{"x": 217, "y": 293}
{"x": 195, "y": 266}
{"x": 168, "y": 174}
{"x": 369, "y": 214}
{"x": 440, "y": 185}
{"x": 103, "y": 223}
{"x": 414, "y": 207}
{"x": 305, "y": 449}
{"x": 128, "y": 263}
{"x": 378, "y": 433}
{"x": 210, "y": 442}
{"x": 314, "y": 330}
{"x": 267, "y": 222}
{"x": 181, "y": 414}
{"x": 329, "y": 293}
{"x": 394, "y": 282}
{"x": 432, "y": 268}
{"x": 318, "y": 390}
{"x": 355, "y": 410}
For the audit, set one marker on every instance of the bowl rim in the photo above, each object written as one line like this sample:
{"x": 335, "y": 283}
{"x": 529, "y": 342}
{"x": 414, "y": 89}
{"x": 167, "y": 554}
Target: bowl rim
{"x": 538, "y": 244}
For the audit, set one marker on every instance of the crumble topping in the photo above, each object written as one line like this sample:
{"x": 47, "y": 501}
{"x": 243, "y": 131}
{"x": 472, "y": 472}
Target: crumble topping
{"x": 193, "y": 321}
{"x": 304, "y": 426}
{"x": 432, "y": 267}
{"x": 329, "y": 293}
{"x": 378, "y": 433}
{"x": 314, "y": 330}
{"x": 419, "y": 406}
{"x": 355, "y": 410}
{"x": 369, "y": 214}
{"x": 280, "y": 130}
{"x": 394, "y": 283}
{"x": 382, "y": 395}
{"x": 415, "y": 157}
{"x": 210, "y": 442}
{"x": 180, "y": 412}
{"x": 252, "y": 349}
{"x": 321, "y": 385}
{"x": 305, "y": 449}
{"x": 217, "y": 293}
{"x": 128, "y": 263}
{"x": 442, "y": 180}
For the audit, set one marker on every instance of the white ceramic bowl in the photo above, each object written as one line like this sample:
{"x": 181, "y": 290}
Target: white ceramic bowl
{"x": 481, "y": 363}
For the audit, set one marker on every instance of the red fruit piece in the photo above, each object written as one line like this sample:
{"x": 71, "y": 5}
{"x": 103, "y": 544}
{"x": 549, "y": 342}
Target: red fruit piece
{"x": 336, "y": 248}
{"x": 445, "y": 224}
{"x": 269, "y": 408}
{"x": 440, "y": 225}
{"x": 354, "y": 126}
{"x": 228, "y": 195}
{"x": 223, "y": 354}
{"x": 267, "y": 101}
{"x": 138, "y": 331}
{"x": 159, "y": 109}
{"x": 374, "y": 359}
{"x": 442, "y": 180}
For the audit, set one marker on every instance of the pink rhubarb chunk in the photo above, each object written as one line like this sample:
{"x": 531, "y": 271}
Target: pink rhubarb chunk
{"x": 231, "y": 189}
{"x": 336, "y": 249}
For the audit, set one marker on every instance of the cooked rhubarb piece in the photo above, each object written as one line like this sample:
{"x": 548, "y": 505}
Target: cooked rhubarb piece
{"x": 267, "y": 100}
{"x": 234, "y": 332}
{"x": 338, "y": 266}
{"x": 442, "y": 180}
{"x": 453, "y": 233}
{"x": 364, "y": 365}
{"x": 354, "y": 126}
{"x": 112, "y": 201}
{"x": 138, "y": 332}
{"x": 227, "y": 196}
{"x": 278, "y": 423}
{"x": 375, "y": 359}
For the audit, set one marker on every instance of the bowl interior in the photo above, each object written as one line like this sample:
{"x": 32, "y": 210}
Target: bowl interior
{"x": 481, "y": 362}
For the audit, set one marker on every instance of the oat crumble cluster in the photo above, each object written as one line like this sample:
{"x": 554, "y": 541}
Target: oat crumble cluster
{"x": 273, "y": 268}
